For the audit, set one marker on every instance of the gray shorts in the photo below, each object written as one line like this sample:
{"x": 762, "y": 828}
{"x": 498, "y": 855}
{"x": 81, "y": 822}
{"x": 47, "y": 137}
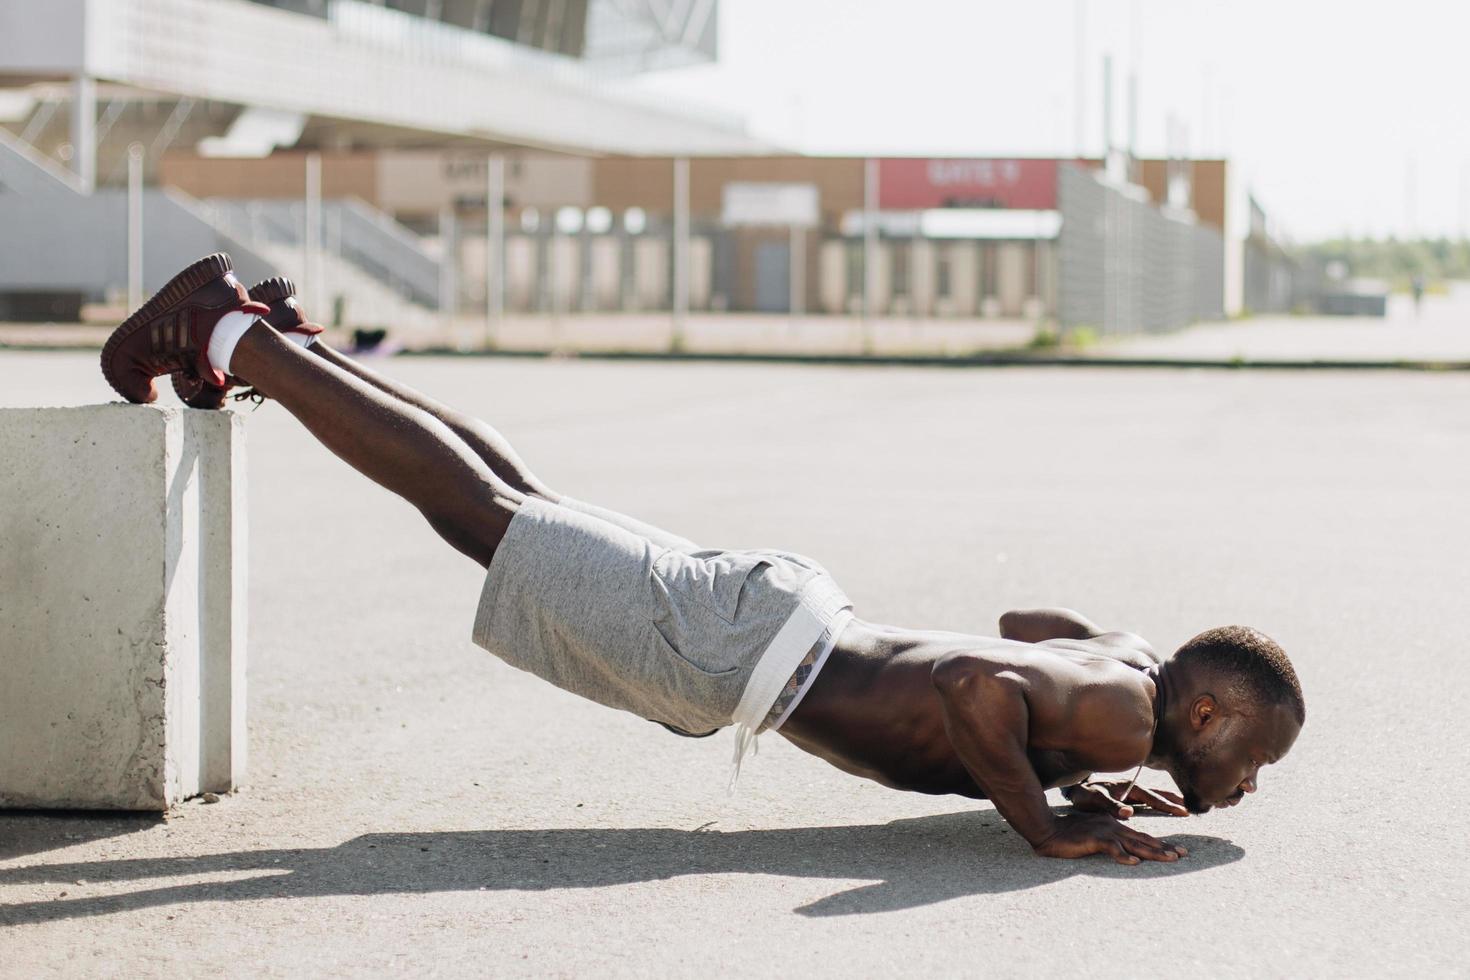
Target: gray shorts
{"x": 645, "y": 622}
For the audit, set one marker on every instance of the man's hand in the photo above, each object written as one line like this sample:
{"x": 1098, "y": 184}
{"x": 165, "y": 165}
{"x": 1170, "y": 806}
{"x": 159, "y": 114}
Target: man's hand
{"x": 1102, "y": 797}
{"x": 1080, "y": 834}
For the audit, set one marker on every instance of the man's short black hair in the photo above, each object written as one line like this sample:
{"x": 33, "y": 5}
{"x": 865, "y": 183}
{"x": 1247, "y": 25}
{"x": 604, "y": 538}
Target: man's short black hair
{"x": 1252, "y": 656}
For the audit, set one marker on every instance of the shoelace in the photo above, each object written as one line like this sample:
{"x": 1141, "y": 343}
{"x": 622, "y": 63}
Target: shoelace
{"x": 250, "y": 395}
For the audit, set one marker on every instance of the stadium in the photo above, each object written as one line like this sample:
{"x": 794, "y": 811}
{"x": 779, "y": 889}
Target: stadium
{"x": 449, "y": 169}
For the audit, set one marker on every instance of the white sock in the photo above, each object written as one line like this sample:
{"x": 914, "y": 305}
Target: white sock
{"x": 227, "y": 334}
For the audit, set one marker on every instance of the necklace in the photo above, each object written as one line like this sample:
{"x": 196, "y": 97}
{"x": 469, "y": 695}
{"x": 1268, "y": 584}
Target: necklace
{"x": 1122, "y": 800}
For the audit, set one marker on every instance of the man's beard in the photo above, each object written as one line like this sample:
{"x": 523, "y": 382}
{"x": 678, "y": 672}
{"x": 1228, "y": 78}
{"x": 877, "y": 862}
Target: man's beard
{"x": 1193, "y": 760}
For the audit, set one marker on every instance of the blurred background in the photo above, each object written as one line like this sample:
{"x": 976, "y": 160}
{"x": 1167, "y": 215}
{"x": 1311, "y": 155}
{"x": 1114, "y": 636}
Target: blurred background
{"x": 747, "y": 176}
{"x": 870, "y": 185}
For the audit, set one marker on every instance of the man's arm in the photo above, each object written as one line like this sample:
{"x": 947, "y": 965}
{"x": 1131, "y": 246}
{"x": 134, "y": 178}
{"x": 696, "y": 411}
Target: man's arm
{"x": 988, "y": 716}
{"x": 1038, "y": 625}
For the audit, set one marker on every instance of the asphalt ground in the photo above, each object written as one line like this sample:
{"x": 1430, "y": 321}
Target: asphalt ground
{"x": 415, "y": 806}
{"x": 1436, "y": 333}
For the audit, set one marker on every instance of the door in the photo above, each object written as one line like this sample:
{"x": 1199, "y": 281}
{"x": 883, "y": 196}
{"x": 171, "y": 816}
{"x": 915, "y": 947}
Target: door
{"x": 773, "y": 277}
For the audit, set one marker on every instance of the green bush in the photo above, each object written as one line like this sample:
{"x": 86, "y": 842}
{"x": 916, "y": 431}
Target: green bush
{"x": 1082, "y": 337}
{"x": 1045, "y": 338}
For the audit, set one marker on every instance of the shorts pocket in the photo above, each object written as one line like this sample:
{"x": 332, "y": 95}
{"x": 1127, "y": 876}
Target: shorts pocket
{"x": 693, "y": 658}
{"x": 716, "y": 581}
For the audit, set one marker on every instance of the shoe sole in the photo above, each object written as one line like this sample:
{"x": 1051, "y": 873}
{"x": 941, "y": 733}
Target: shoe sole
{"x": 174, "y": 292}
{"x": 273, "y": 290}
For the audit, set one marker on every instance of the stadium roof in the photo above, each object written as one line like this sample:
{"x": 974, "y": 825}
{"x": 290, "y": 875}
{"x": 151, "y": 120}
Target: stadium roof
{"x": 359, "y": 73}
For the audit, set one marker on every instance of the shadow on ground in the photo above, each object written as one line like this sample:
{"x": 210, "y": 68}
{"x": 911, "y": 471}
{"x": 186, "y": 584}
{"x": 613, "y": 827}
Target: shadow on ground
{"x": 910, "y": 863}
{"x": 25, "y": 832}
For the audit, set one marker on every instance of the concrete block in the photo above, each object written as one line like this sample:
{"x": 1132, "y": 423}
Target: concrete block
{"x": 122, "y": 606}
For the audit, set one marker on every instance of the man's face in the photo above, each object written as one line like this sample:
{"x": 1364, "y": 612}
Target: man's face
{"x": 1224, "y": 762}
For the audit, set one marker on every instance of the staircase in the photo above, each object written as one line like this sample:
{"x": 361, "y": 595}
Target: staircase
{"x": 62, "y": 247}
{"x": 379, "y": 271}
{"x": 365, "y": 300}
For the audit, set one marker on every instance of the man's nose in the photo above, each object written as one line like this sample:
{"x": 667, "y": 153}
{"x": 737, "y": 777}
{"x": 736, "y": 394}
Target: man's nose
{"x": 1249, "y": 785}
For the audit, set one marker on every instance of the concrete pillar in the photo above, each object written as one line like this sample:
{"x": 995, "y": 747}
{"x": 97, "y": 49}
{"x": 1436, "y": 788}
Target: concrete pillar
{"x": 494, "y": 247}
{"x": 964, "y": 277}
{"x": 135, "y": 226}
{"x": 681, "y": 246}
{"x": 605, "y": 259}
{"x": 701, "y": 272}
{"x": 84, "y": 131}
{"x": 798, "y": 271}
{"x": 923, "y": 261}
{"x": 122, "y": 606}
{"x": 448, "y": 265}
{"x": 311, "y": 239}
{"x": 1012, "y": 260}
{"x": 870, "y": 247}
{"x": 832, "y": 288}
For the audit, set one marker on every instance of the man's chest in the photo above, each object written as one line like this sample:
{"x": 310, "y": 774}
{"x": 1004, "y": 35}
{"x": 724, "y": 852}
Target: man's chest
{"x": 1055, "y": 768}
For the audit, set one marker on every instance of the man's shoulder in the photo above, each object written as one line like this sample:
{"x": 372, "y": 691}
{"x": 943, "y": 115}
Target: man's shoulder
{"x": 1126, "y": 648}
{"x": 1132, "y": 643}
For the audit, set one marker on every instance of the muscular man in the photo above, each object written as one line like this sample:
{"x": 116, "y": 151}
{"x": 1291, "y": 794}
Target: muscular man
{"x": 639, "y": 619}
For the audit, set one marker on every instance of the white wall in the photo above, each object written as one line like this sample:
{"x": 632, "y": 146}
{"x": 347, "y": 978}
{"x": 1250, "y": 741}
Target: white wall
{"x": 122, "y": 604}
{"x": 42, "y": 37}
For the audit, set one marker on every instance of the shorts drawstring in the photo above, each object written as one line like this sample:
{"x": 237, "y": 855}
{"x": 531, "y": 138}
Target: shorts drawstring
{"x": 745, "y": 740}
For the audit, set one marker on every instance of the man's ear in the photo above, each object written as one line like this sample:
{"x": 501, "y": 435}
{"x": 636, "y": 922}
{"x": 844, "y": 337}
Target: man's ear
{"x": 1202, "y": 711}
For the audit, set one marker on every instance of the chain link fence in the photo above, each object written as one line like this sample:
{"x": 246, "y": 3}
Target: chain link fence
{"x": 1128, "y": 266}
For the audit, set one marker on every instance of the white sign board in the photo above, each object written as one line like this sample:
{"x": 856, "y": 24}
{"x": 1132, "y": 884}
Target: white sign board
{"x": 978, "y": 224}
{"x": 786, "y": 205}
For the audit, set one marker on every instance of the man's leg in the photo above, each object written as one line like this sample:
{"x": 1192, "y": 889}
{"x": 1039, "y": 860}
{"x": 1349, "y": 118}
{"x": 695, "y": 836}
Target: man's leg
{"x": 496, "y": 451}
{"x": 492, "y": 447}
{"x": 395, "y": 444}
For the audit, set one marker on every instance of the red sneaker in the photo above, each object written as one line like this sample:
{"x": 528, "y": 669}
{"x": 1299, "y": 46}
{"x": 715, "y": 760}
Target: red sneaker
{"x": 171, "y": 331}
{"x": 286, "y": 315}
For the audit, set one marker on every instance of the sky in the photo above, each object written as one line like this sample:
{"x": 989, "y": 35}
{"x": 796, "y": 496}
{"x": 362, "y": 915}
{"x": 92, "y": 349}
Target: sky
{"x": 1343, "y": 118}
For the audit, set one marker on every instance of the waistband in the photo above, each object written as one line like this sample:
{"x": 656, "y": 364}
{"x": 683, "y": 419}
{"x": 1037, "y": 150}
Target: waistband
{"x": 820, "y": 605}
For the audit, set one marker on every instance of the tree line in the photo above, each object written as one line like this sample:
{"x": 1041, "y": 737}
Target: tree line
{"x": 1396, "y": 261}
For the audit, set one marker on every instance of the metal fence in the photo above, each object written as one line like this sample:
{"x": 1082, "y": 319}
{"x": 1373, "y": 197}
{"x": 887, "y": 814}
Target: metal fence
{"x": 1276, "y": 281}
{"x": 349, "y": 227}
{"x": 1126, "y": 265}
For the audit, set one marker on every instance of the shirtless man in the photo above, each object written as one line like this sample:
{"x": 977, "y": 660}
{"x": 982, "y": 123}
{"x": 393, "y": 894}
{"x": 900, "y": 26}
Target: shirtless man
{"x": 699, "y": 639}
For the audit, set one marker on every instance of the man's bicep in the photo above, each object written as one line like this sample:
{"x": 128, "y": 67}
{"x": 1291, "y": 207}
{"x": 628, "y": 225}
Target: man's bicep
{"x": 987, "y": 718}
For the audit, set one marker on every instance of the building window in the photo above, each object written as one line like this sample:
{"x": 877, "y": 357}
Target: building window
{"x": 942, "y": 285}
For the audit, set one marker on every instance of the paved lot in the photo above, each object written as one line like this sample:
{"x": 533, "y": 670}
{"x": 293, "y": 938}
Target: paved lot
{"x": 1439, "y": 331}
{"x": 416, "y": 806}
{"x": 1436, "y": 333}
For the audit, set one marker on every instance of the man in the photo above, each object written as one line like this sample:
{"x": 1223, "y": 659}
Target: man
{"x": 639, "y": 619}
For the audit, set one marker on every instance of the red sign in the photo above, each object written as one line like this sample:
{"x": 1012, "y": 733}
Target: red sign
{"x": 911, "y": 183}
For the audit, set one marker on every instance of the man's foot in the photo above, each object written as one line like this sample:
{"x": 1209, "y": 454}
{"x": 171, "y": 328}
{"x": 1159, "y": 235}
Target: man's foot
{"x": 286, "y": 315}
{"x": 171, "y": 331}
